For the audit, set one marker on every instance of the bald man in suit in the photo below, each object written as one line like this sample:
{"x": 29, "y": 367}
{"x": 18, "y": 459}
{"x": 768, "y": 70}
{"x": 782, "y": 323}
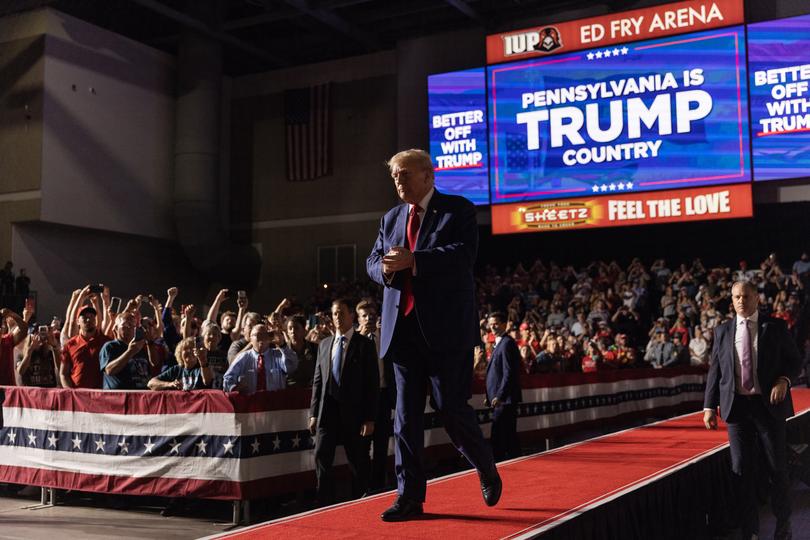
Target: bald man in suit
{"x": 753, "y": 360}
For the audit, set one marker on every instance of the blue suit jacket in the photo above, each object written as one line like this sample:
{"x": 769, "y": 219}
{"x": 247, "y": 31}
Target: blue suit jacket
{"x": 503, "y": 372}
{"x": 444, "y": 288}
{"x": 777, "y": 357}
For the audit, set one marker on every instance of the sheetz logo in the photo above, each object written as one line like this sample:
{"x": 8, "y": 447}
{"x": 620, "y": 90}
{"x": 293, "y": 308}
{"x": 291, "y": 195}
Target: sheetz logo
{"x": 554, "y": 215}
{"x": 543, "y": 40}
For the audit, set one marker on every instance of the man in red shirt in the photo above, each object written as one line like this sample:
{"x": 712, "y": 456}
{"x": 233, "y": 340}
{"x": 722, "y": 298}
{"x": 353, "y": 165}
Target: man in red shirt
{"x": 80, "y": 367}
{"x": 10, "y": 338}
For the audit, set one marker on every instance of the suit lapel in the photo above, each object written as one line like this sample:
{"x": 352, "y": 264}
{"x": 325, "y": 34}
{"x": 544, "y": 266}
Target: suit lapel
{"x": 329, "y": 359}
{"x": 429, "y": 220}
{"x": 349, "y": 350}
{"x": 400, "y": 236}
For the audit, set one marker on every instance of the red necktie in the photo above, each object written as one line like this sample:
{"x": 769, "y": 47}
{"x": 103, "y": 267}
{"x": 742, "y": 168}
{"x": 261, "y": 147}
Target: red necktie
{"x": 407, "y": 303}
{"x": 261, "y": 379}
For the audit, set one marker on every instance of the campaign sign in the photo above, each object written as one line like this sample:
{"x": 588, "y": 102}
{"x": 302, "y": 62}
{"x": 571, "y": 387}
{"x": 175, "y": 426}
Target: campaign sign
{"x": 660, "y": 114}
{"x": 458, "y": 133}
{"x": 779, "y": 64}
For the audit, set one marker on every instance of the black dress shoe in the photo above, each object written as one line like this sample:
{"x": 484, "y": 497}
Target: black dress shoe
{"x": 491, "y": 487}
{"x": 402, "y": 510}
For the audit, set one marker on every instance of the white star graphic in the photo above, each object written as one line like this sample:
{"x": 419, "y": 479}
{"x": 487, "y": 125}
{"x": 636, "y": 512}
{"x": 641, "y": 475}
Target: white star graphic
{"x": 624, "y": 50}
{"x": 629, "y": 185}
{"x": 100, "y": 445}
{"x": 590, "y": 56}
{"x": 606, "y": 54}
{"x": 296, "y": 441}
{"x": 603, "y": 188}
{"x": 255, "y": 446}
{"x": 52, "y": 441}
{"x": 77, "y": 443}
{"x": 228, "y": 448}
{"x": 32, "y": 439}
{"x": 621, "y": 186}
{"x": 124, "y": 445}
{"x": 276, "y": 443}
{"x": 598, "y": 54}
{"x": 175, "y": 447}
{"x": 612, "y": 187}
{"x": 595, "y": 189}
{"x": 12, "y": 437}
{"x": 201, "y": 446}
{"x": 616, "y": 52}
{"x": 149, "y": 445}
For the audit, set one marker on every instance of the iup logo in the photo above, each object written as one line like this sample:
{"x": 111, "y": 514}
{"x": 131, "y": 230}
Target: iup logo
{"x": 543, "y": 40}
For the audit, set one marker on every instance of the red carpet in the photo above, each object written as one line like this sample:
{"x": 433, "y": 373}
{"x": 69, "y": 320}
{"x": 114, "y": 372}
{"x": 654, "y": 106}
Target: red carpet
{"x": 540, "y": 491}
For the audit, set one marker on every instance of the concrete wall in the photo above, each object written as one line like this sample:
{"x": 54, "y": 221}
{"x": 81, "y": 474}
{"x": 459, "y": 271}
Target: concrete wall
{"x": 289, "y": 220}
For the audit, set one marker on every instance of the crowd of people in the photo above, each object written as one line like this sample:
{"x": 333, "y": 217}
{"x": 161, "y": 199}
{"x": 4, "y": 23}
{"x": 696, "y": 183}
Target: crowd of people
{"x": 12, "y": 285}
{"x": 605, "y": 316}
{"x": 564, "y": 319}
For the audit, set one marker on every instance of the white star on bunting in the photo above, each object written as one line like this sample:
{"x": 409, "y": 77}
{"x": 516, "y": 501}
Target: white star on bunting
{"x": 175, "y": 447}
{"x": 124, "y": 445}
{"x": 598, "y": 54}
{"x": 149, "y": 445}
{"x": 621, "y": 185}
{"x": 276, "y": 443}
{"x": 296, "y": 441}
{"x": 616, "y": 52}
{"x": 12, "y": 437}
{"x": 590, "y": 56}
{"x": 52, "y": 441}
{"x": 255, "y": 446}
{"x": 201, "y": 446}
{"x": 32, "y": 439}
{"x": 77, "y": 443}
{"x": 227, "y": 448}
{"x": 604, "y": 188}
{"x": 624, "y": 50}
{"x": 595, "y": 189}
{"x": 612, "y": 187}
{"x": 629, "y": 185}
{"x": 100, "y": 445}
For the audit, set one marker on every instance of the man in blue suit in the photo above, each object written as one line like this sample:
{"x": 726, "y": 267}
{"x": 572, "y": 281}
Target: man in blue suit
{"x": 424, "y": 256}
{"x": 752, "y": 362}
{"x": 503, "y": 390}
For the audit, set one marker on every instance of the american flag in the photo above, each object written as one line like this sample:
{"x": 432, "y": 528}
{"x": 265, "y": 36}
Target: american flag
{"x": 307, "y": 121}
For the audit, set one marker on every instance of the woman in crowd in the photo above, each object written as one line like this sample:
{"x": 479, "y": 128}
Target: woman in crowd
{"x": 191, "y": 373}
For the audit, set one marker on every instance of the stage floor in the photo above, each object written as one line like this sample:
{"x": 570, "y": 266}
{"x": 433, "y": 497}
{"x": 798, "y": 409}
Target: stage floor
{"x": 541, "y": 492}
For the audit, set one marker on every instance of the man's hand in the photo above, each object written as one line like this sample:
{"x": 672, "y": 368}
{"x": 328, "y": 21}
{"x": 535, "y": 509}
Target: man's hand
{"x": 172, "y": 292}
{"x": 710, "y": 419}
{"x": 136, "y": 346}
{"x": 242, "y": 303}
{"x": 313, "y": 423}
{"x": 222, "y": 295}
{"x": 779, "y": 391}
{"x": 176, "y": 384}
{"x": 367, "y": 429}
{"x": 398, "y": 258}
{"x": 495, "y": 402}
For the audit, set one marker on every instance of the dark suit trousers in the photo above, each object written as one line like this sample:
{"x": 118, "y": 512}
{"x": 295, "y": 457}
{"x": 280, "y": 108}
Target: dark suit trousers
{"x": 335, "y": 428}
{"x": 383, "y": 429}
{"x": 504, "y": 438}
{"x": 753, "y": 422}
{"x": 450, "y": 378}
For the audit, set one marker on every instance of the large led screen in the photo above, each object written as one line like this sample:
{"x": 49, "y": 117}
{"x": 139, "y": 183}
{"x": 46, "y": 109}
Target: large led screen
{"x": 779, "y": 63}
{"x": 458, "y": 133}
{"x": 669, "y": 113}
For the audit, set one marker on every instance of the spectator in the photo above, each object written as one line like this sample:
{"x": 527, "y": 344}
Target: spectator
{"x": 13, "y": 330}
{"x": 39, "y": 365}
{"x": 620, "y": 353}
{"x": 698, "y": 349}
{"x": 227, "y": 325}
{"x": 7, "y": 279}
{"x": 80, "y": 366}
{"x": 306, "y": 351}
{"x": 217, "y": 358}
{"x": 250, "y": 320}
{"x": 192, "y": 372}
{"x": 124, "y": 361}
{"x": 550, "y": 359}
{"x": 260, "y": 367}
{"x": 22, "y": 285}
{"x": 663, "y": 352}
{"x": 171, "y": 330}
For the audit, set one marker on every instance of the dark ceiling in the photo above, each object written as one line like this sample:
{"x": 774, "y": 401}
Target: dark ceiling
{"x": 260, "y": 35}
